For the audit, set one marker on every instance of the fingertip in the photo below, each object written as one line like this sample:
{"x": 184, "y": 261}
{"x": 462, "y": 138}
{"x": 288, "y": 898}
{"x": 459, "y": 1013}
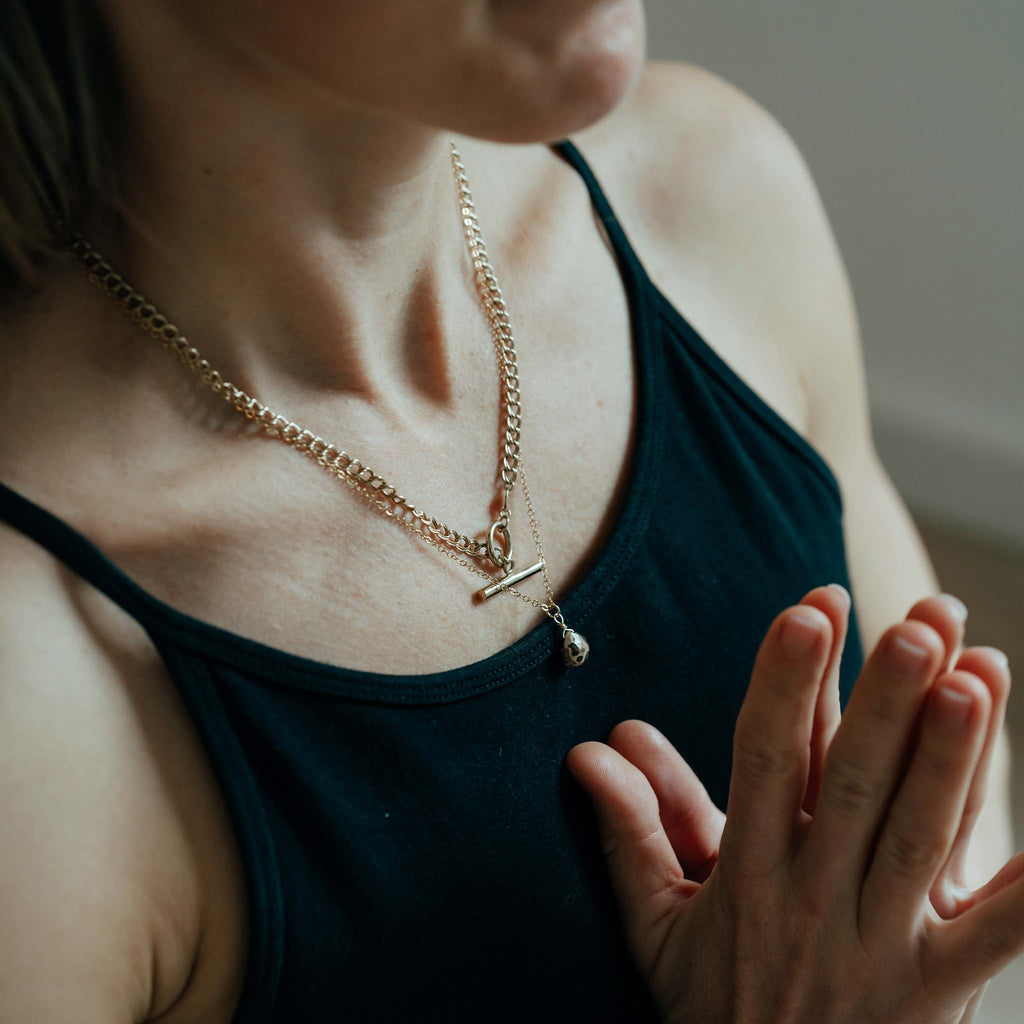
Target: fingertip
{"x": 802, "y": 629}
{"x": 970, "y": 683}
{"x": 601, "y": 769}
{"x": 991, "y": 665}
{"x": 831, "y": 597}
{"x": 584, "y": 750}
{"x": 810, "y": 611}
{"x": 633, "y": 732}
{"x": 789, "y": 662}
{"x": 833, "y": 601}
{"x": 915, "y": 636}
{"x": 960, "y": 696}
{"x": 583, "y": 759}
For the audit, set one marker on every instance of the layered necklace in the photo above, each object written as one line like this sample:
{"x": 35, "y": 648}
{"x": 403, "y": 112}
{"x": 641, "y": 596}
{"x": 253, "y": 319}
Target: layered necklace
{"x": 493, "y": 546}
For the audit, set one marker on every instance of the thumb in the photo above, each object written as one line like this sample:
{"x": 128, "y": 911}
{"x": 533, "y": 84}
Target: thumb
{"x": 644, "y": 870}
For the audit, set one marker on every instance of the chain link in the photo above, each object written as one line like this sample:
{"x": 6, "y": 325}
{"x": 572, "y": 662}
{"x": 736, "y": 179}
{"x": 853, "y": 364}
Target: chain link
{"x": 501, "y": 327}
{"x": 367, "y": 483}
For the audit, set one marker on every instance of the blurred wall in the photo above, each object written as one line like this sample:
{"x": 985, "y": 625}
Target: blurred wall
{"x": 911, "y": 116}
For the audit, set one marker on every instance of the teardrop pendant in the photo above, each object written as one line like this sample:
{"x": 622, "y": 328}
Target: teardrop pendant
{"x": 574, "y": 648}
{"x": 574, "y": 645}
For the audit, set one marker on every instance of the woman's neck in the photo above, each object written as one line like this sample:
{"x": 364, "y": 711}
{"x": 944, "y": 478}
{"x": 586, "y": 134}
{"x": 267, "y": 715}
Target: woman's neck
{"x": 301, "y": 243}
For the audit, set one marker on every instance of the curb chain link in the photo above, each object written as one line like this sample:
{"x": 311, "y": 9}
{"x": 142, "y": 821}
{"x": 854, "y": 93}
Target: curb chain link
{"x": 370, "y": 485}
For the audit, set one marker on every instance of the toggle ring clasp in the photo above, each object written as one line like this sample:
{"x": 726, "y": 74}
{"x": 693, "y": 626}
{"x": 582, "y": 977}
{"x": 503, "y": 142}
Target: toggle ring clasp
{"x": 501, "y": 558}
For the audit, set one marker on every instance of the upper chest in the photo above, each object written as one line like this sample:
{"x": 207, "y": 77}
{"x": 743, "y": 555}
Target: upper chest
{"x": 257, "y": 540}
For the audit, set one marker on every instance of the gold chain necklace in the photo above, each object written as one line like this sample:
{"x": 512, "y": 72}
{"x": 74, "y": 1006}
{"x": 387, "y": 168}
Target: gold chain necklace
{"x": 497, "y": 547}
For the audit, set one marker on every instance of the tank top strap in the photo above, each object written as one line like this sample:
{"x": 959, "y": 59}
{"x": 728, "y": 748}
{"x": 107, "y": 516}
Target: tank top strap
{"x": 79, "y": 554}
{"x": 624, "y": 252}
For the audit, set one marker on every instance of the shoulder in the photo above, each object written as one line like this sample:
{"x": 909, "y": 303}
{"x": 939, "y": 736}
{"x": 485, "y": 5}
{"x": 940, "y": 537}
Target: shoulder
{"x": 94, "y": 867}
{"x": 714, "y": 181}
{"x": 735, "y": 233}
{"x": 698, "y": 152}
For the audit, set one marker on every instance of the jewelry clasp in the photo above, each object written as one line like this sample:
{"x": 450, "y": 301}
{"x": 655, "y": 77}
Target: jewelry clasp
{"x": 501, "y": 558}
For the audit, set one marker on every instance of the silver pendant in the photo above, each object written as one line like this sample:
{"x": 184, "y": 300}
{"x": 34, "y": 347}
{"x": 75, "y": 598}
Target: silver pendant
{"x": 574, "y": 648}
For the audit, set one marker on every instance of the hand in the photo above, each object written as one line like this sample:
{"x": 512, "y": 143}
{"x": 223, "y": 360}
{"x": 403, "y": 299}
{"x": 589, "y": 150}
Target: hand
{"x": 823, "y": 918}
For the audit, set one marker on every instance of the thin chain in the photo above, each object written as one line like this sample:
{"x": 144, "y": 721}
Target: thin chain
{"x": 370, "y": 485}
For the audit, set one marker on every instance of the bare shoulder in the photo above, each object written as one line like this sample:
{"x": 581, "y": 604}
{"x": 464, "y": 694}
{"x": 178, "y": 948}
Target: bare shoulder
{"x": 97, "y": 866}
{"x": 733, "y": 230}
{"x": 703, "y": 158}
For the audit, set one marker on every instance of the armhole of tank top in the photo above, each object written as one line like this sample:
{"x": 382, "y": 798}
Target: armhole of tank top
{"x": 263, "y": 888}
{"x": 192, "y": 680}
{"x": 720, "y": 371}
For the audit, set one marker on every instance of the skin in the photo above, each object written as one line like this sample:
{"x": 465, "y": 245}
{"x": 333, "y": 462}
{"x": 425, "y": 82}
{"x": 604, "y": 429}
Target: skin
{"x": 289, "y": 195}
{"x": 307, "y": 108}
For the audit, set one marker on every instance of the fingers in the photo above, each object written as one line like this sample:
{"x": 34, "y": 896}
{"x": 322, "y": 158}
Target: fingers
{"x": 947, "y": 615}
{"x": 991, "y": 667}
{"x": 691, "y": 821}
{"x": 924, "y": 817}
{"x": 867, "y": 756}
{"x": 644, "y": 871}
{"x": 771, "y": 745}
{"x": 834, "y": 601}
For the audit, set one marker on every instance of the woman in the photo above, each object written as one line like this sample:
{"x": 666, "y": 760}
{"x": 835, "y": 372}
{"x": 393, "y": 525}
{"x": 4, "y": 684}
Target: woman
{"x": 337, "y": 787}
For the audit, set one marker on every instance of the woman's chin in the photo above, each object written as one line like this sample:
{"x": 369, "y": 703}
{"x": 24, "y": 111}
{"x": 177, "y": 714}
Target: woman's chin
{"x": 572, "y": 88}
{"x": 603, "y": 74}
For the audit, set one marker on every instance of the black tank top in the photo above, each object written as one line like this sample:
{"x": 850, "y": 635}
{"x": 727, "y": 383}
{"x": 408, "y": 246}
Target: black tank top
{"x": 414, "y": 848}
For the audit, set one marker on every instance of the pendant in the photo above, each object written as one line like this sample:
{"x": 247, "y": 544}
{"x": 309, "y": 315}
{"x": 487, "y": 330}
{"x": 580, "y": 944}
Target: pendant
{"x": 574, "y": 648}
{"x": 574, "y": 645}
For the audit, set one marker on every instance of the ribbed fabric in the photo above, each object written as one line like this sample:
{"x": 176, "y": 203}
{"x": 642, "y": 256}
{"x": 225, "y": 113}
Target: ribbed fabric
{"x": 414, "y": 847}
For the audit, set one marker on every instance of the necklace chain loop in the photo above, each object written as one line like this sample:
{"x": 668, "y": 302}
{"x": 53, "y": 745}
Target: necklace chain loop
{"x": 365, "y": 481}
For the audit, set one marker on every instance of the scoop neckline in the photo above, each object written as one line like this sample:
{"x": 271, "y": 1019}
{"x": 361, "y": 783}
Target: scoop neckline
{"x": 167, "y": 626}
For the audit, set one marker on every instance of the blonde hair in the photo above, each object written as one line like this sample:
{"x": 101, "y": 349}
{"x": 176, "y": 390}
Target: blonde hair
{"x": 59, "y": 103}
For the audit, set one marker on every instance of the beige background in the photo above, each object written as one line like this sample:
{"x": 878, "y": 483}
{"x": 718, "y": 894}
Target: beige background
{"x": 911, "y": 116}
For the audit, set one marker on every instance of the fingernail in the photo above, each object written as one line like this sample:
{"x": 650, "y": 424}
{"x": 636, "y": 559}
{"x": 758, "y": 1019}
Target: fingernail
{"x": 905, "y": 658}
{"x": 799, "y": 634}
{"x": 1000, "y": 656}
{"x": 842, "y": 590}
{"x": 957, "y": 606}
{"x": 955, "y": 706}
